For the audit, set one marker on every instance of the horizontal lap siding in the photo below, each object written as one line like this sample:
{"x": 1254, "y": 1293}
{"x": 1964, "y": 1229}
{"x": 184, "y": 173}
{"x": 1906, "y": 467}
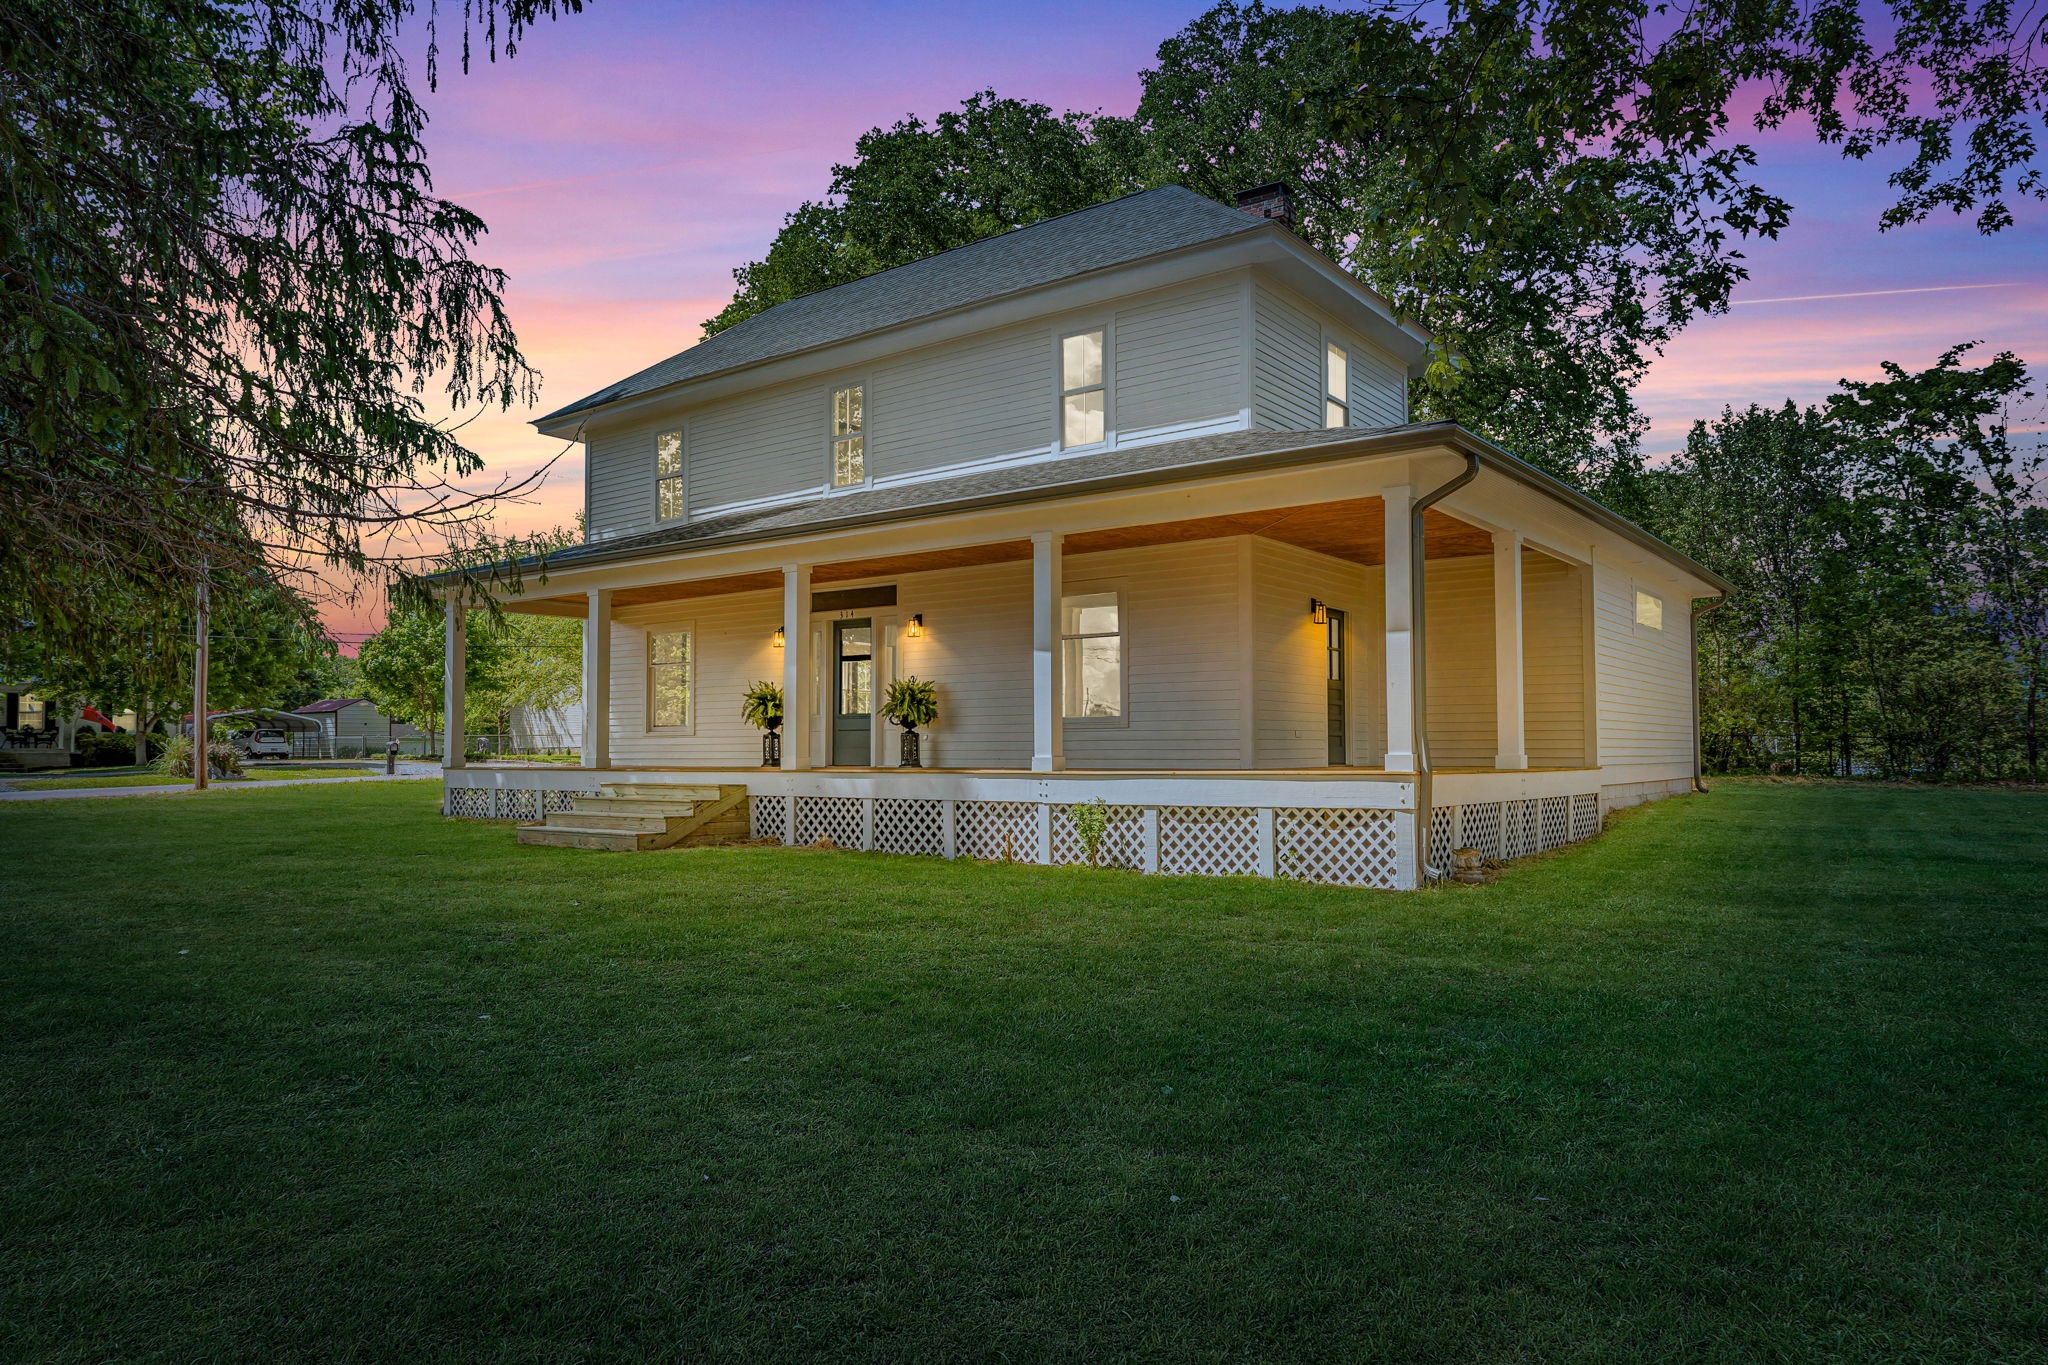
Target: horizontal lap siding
{"x": 1291, "y": 683}
{"x": 1459, "y": 638}
{"x": 1644, "y": 687}
{"x": 1379, "y": 391}
{"x": 1179, "y": 360}
{"x": 1287, "y": 366}
{"x": 620, "y": 480}
{"x": 759, "y": 446}
{"x": 976, "y": 647}
{"x": 733, "y": 646}
{"x": 1181, "y": 654}
{"x": 1554, "y": 662}
{"x": 982, "y": 399}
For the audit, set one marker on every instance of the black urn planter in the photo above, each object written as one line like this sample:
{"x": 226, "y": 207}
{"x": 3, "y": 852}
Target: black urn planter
{"x": 771, "y": 748}
{"x": 912, "y": 755}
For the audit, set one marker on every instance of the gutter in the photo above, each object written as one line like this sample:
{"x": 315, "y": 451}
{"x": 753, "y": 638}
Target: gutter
{"x": 1418, "y": 654}
{"x": 1699, "y": 775}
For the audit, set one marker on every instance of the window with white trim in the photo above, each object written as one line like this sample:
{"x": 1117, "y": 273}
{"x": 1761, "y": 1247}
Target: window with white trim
{"x": 1649, "y": 610}
{"x": 670, "y": 660}
{"x": 668, "y": 476}
{"x": 849, "y": 441}
{"x": 1083, "y": 414}
{"x": 1092, "y": 656}
{"x": 1336, "y": 386}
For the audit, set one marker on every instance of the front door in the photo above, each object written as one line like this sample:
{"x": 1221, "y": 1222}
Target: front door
{"x": 853, "y": 693}
{"x": 1336, "y": 670}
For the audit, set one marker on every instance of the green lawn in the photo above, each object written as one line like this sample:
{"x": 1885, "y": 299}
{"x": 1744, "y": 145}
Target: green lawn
{"x": 130, "y": 778}
{"x": 1758, "y": 1075}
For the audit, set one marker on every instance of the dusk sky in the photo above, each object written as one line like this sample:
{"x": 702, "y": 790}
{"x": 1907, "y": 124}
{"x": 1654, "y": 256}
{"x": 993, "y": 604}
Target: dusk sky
{"x": 629, "y": 157}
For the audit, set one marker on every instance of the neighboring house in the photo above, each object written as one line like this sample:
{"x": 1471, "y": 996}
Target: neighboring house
{"x": 352, "y": 727}
{"x": 1136, "y": 488}
{"x": 23, "y": 714}
{"x": 552, "y": 729}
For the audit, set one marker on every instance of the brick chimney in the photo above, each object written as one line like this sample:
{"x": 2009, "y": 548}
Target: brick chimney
{"x": 1274, "y": 201}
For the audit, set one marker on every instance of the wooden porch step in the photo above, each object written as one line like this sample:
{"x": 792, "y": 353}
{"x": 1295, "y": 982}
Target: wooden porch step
{"x": 634, "y": 816}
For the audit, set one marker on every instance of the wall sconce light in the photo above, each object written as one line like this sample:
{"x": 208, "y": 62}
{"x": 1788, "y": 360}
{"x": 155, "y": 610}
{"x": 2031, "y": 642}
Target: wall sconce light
{"x": 1319, "y": 611}
{"x": 916, "y": 627}
{"x": 778, "y": 637}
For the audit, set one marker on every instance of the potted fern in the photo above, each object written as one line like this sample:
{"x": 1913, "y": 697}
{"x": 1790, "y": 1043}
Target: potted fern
{"x": 911, "y": 702}
{"x": 761, "y": 707}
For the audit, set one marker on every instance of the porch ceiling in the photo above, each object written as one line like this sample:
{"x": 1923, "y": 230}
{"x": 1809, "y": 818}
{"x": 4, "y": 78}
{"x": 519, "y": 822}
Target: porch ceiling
{"x": 1352, "y": 529}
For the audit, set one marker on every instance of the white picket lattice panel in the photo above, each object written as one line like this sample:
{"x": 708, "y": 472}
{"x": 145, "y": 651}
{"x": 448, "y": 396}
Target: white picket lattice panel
{"x": 1209, "y": 841}
{"x": 468, "y": 803}
{"x": 837, "y": 818}
{"x": 1340, "y": 847}
{"x": 555, "y": 803}
{"x": 1554, "y": 824}
{"x": 1443, "y": 826}
{"x": 517, "y": 804}
{"x": 907, "y": 826}
{"x": 1585, "y": 815}
{"x": 1479, "y": 827}
{"x": 768, "y": 817}
{"x": 997, "y": 829}
{"x": 1518, "y": 829}
{"x": 1123, "y": 840}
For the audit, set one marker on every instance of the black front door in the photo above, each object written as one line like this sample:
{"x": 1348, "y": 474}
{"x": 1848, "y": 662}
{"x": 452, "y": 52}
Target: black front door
{"x": 1338, "y": 752}
{"x": 853, "y": 693}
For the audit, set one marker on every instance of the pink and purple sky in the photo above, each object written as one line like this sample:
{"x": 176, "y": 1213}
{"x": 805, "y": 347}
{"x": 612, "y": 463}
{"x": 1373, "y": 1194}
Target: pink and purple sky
{"x": 631, "y": 156}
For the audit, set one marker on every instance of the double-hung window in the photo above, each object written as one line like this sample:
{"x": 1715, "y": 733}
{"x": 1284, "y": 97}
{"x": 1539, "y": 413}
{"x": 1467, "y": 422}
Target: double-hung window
{"x": 849, "y": 443}
{"x": 669, "y": 661}
{"x": 1091, "y": 656}
{"x": 668, "y": 476}
{"x": 1082, "y": 416}
{"x": 1336, "y": 386}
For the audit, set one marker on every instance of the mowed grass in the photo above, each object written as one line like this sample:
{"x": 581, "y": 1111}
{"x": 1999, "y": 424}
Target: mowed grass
{"x": 1757, "y": 1075}
{"x": 73, "y": 781}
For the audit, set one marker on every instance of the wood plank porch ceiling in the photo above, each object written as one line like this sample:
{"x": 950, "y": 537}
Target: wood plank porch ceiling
{"x": 1352, "y": 529}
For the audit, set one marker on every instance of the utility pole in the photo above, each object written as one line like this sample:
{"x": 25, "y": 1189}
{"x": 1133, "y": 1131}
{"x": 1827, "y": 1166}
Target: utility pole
{"x": 199, "y": 666}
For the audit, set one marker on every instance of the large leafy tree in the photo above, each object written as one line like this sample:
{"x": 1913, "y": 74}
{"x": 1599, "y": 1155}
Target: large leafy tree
{"x": 1554, "y": 207}
{"x": 226, "y": 284}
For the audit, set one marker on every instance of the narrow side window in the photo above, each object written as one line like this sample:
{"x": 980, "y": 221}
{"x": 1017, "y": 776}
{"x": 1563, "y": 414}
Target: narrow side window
{"x": 1082, "y": 417}
{"x": 668, "y": 476}
{"x": 1336, "y": 386}
{"x": 849, "y": 442}
{"x": 1649, "y": 610}
{"x": 668, "y": 679}
{"x": 1091, "y": 656}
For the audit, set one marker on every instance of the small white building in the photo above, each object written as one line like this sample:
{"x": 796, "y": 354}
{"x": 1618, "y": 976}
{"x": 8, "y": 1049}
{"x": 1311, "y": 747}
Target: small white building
{"x": 1136, "y": 488}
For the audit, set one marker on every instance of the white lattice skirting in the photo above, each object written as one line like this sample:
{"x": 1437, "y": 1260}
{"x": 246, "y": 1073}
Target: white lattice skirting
{"x": 508, "y": 803}
{"x": 1511, "y": 829}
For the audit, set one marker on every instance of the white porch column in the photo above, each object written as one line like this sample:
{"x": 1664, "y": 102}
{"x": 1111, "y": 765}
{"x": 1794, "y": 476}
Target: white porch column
{"x": 454, "y": 661}
{"x": 1400, "y": 643}
{"x": 597, "y": 679}
{"x": 796, "y": 670}
{"x": 1511, "y": 745}
{"x": 1048, "y": 743}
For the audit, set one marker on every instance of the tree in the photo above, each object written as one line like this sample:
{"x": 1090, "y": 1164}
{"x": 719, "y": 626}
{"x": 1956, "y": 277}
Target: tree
{"x": 403, "y": 667}
{"x": 225, "y": 281}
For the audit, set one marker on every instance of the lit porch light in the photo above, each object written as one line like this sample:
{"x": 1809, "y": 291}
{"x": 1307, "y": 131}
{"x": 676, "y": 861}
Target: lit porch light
{"x": 1319, "y": 611}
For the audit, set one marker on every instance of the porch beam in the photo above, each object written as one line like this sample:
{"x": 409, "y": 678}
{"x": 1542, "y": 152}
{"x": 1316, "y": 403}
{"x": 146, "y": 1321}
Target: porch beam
{"x": 1048, "y": 743}
{"x": 1400, "y": 631}
{"x": 796, "y": 672}
{"x": 597, "y": 679}
{"x": 454, "y": 662}
{"x": 1510, "y": 727}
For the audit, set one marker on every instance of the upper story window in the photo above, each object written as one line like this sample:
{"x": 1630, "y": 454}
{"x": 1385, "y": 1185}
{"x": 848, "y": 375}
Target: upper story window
{"x": 849, "y": 444}
{"x": 1336, "y": 386}
{"x": 1649, "y": 610}
{"x": 668, "y": 476}
{"x": 668, "y": 679}
{"x": 1081, "y": 389}
{"x": 1091, "y": 656}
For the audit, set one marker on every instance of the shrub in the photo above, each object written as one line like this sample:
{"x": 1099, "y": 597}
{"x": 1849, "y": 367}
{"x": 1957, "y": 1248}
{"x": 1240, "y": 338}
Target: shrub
{"x": 1091, "y": 822}
{"x": 98, "y": 750}
{"x": 176, "y": 758}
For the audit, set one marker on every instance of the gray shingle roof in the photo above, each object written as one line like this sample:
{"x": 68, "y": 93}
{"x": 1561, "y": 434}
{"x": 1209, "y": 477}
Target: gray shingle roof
{"x": 1116, "y": 233}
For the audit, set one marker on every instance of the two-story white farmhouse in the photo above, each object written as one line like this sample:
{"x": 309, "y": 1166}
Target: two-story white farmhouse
{"x": 1137, "y": 490}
